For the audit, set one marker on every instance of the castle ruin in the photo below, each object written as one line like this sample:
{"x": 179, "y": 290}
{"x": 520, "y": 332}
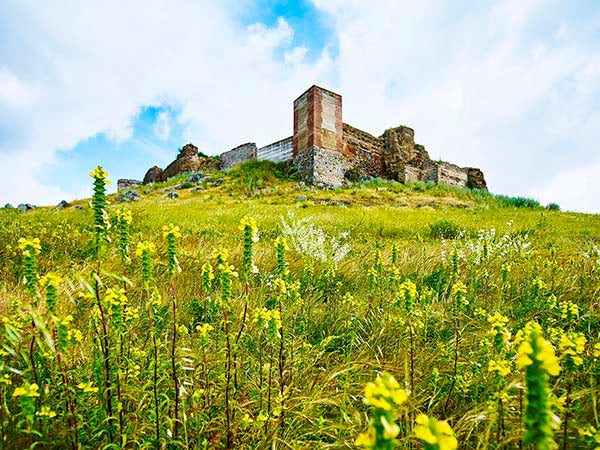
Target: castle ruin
{"x": 327, "y": 151}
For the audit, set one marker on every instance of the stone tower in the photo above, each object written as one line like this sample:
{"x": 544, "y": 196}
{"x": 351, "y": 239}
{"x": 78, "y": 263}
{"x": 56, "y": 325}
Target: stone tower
{"x": 318, "y": 137}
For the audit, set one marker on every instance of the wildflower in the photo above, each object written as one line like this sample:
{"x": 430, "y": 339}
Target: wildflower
{"x": 203, "y": 331}
{"x": 270, "y": 320}
{"x": 568, "y": 310}
{"x": 502, "y": 368}
{"x": 384, "y": 395}
{"x": 27, "y": 390}
{"x": 50, "y": 282}
{"x": 171, "y": 233}
{"x": 87, "y": 387}
{"x": 207, "y": 274}
{"x": 145, "y": 250}
{"x": 572, "y": 346}
{"x": 26, "y": 394}
{"x": 280, "y": 286}
{"x": 499, "y": 331}
{"x": 46, "y": 412}
{"x": 249, "y": 223}
{"x": 536, "y": 356}
{"x": 100, "y": 174}
{"x": 596, "y": 350}
{"x": 5, "y": 379}
{"x": 459, "y": 292}
{"x": 281, "y": 246}
{"x": 434, "y": 434}
{"x": 408, "y": 292}
{"x": 248, "y": 226}
{"x": 30, "y": 245}
{"x": 99, "y": 202}
{"x": 124, "y": 219}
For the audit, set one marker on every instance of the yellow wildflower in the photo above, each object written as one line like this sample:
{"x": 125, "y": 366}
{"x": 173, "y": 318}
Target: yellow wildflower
{"x": 26, "y": 244}
{"x": 145, "y": 246}
{"x": 171, "y": 230}
{"x": 435, "y": 432}
{"x": 27, "y": 390}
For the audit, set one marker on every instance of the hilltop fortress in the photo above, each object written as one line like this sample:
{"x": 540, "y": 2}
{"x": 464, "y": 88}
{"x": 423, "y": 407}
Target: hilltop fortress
{"x": 327, "y": 151}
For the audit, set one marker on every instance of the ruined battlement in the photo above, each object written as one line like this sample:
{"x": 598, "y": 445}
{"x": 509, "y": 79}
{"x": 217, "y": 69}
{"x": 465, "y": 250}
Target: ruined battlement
{"x": 327, "y": 151}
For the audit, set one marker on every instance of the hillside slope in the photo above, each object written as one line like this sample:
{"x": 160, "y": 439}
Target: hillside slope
{"x": 431, "y": 284}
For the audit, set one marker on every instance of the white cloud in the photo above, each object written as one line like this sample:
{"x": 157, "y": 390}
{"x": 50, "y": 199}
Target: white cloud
{"x": 162, "y": 125}
{"x": 574, "y": 188}
{"x": 495, "y": 87}
{"x": 512, "y": 88}
{"x": 85, "y": 68}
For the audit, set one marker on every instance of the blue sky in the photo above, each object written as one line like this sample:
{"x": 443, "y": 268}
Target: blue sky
{"x": 512, "y": 87}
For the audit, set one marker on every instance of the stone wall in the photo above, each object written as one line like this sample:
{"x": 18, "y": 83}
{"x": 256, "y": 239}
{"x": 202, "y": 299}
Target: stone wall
{"x": 124, "y": 184}
{"x": 411, "y": 174}
{"x": 429, "y": 171}
{"x": 321, "y": 167}
{"x": 452, "y": 174}
{"x": 362, "y": 151}
{"x": 280, "y": 151}
{"x": 240, "y": 153}
{"x": 444, "y": 172}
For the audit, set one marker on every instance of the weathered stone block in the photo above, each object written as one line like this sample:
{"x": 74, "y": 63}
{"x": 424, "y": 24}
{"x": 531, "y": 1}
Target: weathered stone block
{"x": 280, "y": 151}
{"x": 124, "y": 184}
{"x": 237, "y": 155}
{"x": 321, "y": 167}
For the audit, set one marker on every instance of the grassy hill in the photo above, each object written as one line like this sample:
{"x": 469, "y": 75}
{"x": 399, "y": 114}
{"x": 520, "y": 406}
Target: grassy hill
{"x": 269, "y": 343}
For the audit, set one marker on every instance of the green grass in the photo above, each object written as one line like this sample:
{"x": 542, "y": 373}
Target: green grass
{"x": 343, "y": 322}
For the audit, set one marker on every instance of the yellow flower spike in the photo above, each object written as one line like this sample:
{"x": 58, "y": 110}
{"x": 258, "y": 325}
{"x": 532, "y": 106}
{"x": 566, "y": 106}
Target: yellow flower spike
{"x": 145, "y": 246}
{"x": 124, "y": 215}
{"x": 280, "y": 286}
{"x": 435, "y": 432}
{"x": 46, "y": 412}
{"x": 115, "y": 296}
{"x": 204, "y": 329}
{"x": 27, "y": 390}
{"x": 458, "y": 288}
{"x": 100, "y": 174}
{"x": 501, "y": 367}
{"x": 25, "y": 244}
{"x": 523, "y": 359}
{"x": 50, "y": 279}
{"x": 220, "y": 252}
{"x": 171, "y": 230}
{"x": 407, "y": 289}
{"x": 281, "y": 240}
{"x": 87, "y": 387}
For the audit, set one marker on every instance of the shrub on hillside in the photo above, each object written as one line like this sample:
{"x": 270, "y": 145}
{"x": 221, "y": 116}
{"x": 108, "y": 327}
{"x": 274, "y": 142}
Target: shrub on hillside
{"x": 444, "y": 229}
{"x": 256, "y": 174}
{"x": 553, "y": 207}
{"x": 505, "y": 201}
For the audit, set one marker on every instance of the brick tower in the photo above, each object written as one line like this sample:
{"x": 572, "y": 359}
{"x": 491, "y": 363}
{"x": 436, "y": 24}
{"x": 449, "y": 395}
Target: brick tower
{"x": 318, "y": 137}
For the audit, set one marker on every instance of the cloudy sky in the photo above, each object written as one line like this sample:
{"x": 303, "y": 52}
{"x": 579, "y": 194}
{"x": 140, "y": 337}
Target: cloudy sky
{"x": 510, "y": 86}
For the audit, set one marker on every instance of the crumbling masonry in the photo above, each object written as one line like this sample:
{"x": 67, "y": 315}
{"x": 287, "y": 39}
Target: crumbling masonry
{"x": 327, "y": 151}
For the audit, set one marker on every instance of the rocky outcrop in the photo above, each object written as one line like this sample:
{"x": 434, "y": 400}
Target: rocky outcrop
{"x": 475, "y": 179}
{"x": 154, "y": 175}
{"x": 188, "y": 160}
{"x": 129, "y": 196}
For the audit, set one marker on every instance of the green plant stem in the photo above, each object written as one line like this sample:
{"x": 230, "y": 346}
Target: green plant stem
{"x": 174, "y": 362}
